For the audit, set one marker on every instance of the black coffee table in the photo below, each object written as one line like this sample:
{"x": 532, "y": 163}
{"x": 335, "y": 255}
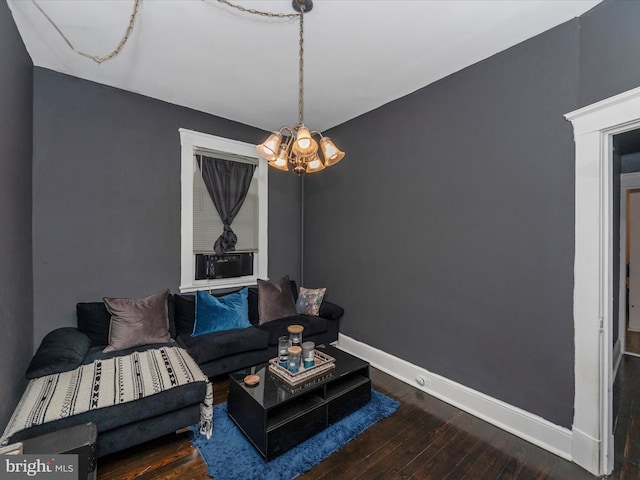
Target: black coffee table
{"x": 275, "y": 416}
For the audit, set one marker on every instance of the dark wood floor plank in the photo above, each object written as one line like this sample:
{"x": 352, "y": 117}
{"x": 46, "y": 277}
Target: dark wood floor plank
{"x": 440, "y": 444}
{"x": 626, "y": 420}
{"x": 374, "y": 446}
{"x": 458, "y": 453}
{"x": 469, "y": 461}
{"x": 404, "y": 447}
{"x": 187, "y": 467}
{"x": 630, "y": 467}
{"x": 439, "y": 466}
{"x": 483, "y": 461}
{"x": 359, "y": 450}
{"x": 132, "y": 463}
{"x": 497, "y": 466}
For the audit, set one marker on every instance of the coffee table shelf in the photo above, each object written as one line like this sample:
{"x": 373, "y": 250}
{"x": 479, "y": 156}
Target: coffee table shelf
{"x": 290, "y": 410}
{"x": 276, "y": 417}
{"x": 346, "y": 383}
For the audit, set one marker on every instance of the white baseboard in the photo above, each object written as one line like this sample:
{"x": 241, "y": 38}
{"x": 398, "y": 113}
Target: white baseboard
{"x": 530, "y": 427}
{"x": 586, "y": 451}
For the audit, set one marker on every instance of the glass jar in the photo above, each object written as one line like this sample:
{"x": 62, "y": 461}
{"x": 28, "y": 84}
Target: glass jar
{"x": 308, "y": 355}
{"x": 283, "y": 350}
{"x": 295, "y": 334}
{"x": 293, "y": 364}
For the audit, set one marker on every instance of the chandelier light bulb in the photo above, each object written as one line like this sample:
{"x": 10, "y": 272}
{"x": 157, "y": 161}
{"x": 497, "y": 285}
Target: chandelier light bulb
{"x": 314, "y": 164}
{"x": 331, "y": 153}
{"x": 269, "y": 148}
{"x": 282, "y": 161}
{"x": 304, "y": 144}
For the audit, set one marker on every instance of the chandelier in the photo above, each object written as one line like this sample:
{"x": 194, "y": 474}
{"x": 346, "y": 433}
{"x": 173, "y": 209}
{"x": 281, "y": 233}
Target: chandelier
{"x": 299, "y": 149}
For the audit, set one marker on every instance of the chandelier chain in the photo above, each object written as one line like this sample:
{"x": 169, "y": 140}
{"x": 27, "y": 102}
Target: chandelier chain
{"x": 301, "y": 79}
{"x": 96, "y": 58}
{"x": 258, "y": 12}
{"x": 301, "y": 62}
{"x": 298, "y": 149}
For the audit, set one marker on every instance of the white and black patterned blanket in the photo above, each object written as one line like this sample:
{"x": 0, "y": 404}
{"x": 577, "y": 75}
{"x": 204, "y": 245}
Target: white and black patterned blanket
{"x": 105, "y": 383}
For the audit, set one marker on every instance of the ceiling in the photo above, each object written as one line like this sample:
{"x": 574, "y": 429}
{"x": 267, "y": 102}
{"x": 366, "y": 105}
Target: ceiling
{"x": 359, "y": 54}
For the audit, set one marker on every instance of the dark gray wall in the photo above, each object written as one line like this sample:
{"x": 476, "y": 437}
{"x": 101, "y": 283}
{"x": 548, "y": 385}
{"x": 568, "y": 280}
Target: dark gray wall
{"x": 106, "y": 196}
{"x": 609, "y": 50}
{"x": 16, "y": 308}
{"x": 451, "y": 243}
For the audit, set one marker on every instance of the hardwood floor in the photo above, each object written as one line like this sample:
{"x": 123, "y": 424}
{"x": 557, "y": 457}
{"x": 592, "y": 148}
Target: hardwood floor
{"x": 626, "y": 420}
{"x": 425, "y": 439}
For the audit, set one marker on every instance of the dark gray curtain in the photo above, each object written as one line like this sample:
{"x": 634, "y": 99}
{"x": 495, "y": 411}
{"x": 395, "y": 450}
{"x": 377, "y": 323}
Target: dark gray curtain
{"x": 227, "y": 183}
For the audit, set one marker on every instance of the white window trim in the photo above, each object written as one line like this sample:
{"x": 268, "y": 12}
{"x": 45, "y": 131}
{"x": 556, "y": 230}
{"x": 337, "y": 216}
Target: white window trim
{"x": 190, "y": 142}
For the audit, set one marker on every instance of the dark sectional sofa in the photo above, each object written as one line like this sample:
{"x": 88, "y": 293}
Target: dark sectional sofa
{"x": 218, "y": 353}
{"x": 225, "y": 352}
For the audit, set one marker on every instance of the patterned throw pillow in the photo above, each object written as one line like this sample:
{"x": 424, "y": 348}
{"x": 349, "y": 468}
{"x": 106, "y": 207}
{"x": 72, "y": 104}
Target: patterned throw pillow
{"x": 309, "y": 301}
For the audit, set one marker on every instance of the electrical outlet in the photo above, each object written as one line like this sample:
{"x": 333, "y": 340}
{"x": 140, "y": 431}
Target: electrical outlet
{"x": 423, "y": 381}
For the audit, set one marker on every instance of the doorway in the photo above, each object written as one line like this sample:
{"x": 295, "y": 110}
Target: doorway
{"x": 594, "y": 128}
{"x": 632, "y": 280}
{"x": 627, "y": 157}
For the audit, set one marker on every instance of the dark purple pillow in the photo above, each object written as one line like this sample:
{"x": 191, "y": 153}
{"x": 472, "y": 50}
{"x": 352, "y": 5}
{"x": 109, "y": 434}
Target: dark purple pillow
{"x": 275, "y": 300}
{"x": 138, "y": 321}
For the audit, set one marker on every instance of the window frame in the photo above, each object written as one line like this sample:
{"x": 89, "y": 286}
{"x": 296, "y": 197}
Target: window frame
{"x": 190, "y": 142}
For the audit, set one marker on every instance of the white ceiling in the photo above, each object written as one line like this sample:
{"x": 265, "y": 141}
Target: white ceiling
{"x": 359, "y": 54}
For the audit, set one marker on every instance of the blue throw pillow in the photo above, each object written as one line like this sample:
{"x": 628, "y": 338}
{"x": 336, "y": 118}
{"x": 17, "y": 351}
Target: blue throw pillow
{"x": 216, "y": 314}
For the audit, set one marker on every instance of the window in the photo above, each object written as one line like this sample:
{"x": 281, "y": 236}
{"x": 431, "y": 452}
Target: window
{"x": 207, "y": 225}
{"x": 200, "y": 223}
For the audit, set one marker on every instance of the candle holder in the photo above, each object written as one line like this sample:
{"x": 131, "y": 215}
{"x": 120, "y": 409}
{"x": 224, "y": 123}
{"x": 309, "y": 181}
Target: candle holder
{"x": 295, "y": 334}
{"x": 283, "y": 350}
{"x": 293, "y": 364}
{"x": 308, "y": 355}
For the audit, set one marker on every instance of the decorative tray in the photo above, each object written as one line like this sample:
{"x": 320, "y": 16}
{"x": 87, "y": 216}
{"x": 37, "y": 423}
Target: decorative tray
{"x": 323, "y": 362}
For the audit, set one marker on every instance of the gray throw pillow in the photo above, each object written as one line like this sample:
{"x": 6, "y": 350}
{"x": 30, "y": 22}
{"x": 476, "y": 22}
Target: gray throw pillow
{"x": 275, "y": 300}
{"x": 137, "y": 322}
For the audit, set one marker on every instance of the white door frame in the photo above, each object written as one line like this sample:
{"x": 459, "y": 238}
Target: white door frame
{"x": 628, "y": 181}
{"x": 594, "y": 127}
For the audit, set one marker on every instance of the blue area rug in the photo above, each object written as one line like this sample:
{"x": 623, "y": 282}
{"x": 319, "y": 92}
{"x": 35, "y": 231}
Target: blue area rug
{"x": 230, "y": 456}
